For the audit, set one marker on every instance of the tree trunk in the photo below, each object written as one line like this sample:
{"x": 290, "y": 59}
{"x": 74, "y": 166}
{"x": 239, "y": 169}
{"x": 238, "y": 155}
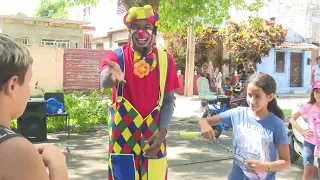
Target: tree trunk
{"x": 140, "y": 3}
{"x": 191, "y": 45}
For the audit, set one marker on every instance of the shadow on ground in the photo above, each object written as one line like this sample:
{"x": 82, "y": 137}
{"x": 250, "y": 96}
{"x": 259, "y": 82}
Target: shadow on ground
{"x": 187, "y": 158}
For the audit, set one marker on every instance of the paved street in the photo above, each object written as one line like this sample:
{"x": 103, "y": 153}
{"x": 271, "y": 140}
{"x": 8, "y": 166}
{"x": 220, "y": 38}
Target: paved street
{"x": 188, "y": 158}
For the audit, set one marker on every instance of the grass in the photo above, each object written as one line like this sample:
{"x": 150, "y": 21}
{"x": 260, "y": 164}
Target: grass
{"x": 287, "y": 112}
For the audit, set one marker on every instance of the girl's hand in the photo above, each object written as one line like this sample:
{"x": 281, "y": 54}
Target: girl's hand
{"x": 307, "y": 133}
{"x": 206, "y": 129}
{"x": 256, "y": 166}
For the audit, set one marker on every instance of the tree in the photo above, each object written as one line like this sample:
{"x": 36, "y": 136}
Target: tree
{"x": 251, "y": 40}
{"x": 20, "y": 14}
{"x": 139, "y": 3}
{"x": 57, "y": 9}
{"x": 177, "y": 47}
{"x": 212, "y": 13}
{"x": 194, "y": 14}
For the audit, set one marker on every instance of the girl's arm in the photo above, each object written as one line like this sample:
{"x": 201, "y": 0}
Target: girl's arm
{"x": 282, "y": 164}
{"x": 312, "y": 76}
{"x": 293, "y": 121}
{"x": 212, "y": 121}
{"x": 284, "y": 159}
{"x": 205, "y": 126}
{"x": 206, "y": 123}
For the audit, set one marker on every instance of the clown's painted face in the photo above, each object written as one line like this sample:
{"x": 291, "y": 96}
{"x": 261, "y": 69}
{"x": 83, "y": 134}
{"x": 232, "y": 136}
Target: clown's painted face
{"x": 142, "y": 34}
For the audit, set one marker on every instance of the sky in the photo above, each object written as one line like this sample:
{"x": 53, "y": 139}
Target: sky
{"x": 28, "y": 7}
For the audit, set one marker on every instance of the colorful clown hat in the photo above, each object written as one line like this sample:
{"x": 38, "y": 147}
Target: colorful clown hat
{"x": 146, "y": 12}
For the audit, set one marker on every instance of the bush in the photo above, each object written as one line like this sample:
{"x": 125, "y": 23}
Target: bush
{"x": 86, "y": 109}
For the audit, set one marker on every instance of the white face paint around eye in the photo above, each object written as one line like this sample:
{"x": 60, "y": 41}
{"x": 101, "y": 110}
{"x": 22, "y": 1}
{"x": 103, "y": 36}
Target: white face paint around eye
{"x": 133, "y": 31}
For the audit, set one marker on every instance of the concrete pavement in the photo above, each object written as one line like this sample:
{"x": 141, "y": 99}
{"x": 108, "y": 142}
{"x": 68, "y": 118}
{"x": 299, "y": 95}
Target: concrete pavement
{"x": 188, "y": 158}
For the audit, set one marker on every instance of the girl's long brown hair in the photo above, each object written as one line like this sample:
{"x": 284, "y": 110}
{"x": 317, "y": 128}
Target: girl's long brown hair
{"x": 312, "y": 99}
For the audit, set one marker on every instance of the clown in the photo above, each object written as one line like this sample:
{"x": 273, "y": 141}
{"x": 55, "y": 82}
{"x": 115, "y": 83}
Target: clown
{"x": 143, "y": 79}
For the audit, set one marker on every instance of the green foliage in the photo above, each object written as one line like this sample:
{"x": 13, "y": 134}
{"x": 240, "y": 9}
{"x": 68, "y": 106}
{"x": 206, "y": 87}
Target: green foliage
{"x": 175, "y": 14}
{"x": 252, "y": 40}
{"x": 20, "y": 14}
{"x": 57, "y": 9}
{"x": 177, "y": 47}
{"x": 140, "y": 3}
{"x": 49, "y": 9}
{"x": 86, "y": 109}
{"x": 86, "y": 2}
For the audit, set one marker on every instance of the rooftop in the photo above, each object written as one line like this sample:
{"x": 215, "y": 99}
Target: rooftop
{"x": 297, "y": 45}
{"x": 62, "y": 21}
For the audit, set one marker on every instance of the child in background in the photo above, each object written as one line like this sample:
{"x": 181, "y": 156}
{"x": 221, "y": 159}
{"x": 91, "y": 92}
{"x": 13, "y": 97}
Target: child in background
{"x": 227, "y": 88}
{"x": 311, "y": 110}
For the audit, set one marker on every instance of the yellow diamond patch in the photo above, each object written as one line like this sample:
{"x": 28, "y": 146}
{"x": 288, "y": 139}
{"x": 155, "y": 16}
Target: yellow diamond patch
{"x": 144, "y": 177}
{"x": 126, "y": 134}
{"x": 162, "y": 148}
{"x": 137, "y": 149}
{"x": 146, "y": 146}
{"x": 149, "y": 120}
{"x": 117, "y": 118}
{"x": 138, "y": 121}
{"x": 117, "y": 149}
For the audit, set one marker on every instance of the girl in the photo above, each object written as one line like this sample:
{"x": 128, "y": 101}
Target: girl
{"x": 259, "y": 133}
{"x": 311, "y": 110}
{"x": 315, "y": 73}
{"x": 218, "y": 80}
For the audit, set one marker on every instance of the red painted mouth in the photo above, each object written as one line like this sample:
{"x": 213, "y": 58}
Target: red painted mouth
{"x": 142, "y": 38}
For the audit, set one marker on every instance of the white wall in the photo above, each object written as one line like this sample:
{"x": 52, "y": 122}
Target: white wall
{"x": 103, "y": 16}
{"x": 270, "y": 10}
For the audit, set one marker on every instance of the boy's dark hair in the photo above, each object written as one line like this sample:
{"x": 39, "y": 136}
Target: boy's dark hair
{"x": 15, "y": 60}
{"x": 205, "y": 65}
{"x": 269, "y": 86}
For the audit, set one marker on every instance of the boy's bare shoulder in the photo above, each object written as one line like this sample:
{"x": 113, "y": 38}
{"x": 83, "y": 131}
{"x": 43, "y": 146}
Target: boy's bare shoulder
{"x": 20, "y": 155}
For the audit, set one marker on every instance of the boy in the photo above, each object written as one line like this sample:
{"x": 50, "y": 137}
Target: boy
{"x": 227, "y": 88}
{"x": 19, "y": 158}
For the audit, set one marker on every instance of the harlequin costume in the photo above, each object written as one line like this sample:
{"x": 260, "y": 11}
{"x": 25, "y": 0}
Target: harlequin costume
{"x": 135, "y": 112}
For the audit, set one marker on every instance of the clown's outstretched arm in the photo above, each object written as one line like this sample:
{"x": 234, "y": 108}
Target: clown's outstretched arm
{"x": 111, "y": 73}
{"x": 106, "y": 80}
{"x": 166, "y": 110}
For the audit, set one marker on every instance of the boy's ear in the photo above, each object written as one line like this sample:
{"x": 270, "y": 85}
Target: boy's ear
{"x": 11, "y": 85}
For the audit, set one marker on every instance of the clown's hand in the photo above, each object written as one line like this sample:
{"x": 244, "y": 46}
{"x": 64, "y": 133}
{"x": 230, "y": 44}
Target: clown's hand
{"x": 155, "y": 141}
{"x": 114, "y": 72}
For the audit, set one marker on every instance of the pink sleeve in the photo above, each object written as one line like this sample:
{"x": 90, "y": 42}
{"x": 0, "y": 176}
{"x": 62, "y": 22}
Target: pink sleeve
{"x": 305, "y": 108}
{"x": 112, "y": 56}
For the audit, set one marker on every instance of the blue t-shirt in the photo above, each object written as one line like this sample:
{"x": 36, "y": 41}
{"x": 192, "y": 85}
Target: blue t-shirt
{"x": 253, "y": 139}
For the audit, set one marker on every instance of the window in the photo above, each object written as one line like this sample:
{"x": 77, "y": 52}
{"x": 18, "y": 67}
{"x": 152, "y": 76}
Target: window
{"x": 57, "y": 43}
{"x": 120, "y": 8}
{"x": 23, "y": 40}
{"x": 280, "y": 62}
{"x": 86, "y": 14}
{"x": 315, "y": 24}
{"x": 273, "y": 19}
{"x": 88, "y": 41}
